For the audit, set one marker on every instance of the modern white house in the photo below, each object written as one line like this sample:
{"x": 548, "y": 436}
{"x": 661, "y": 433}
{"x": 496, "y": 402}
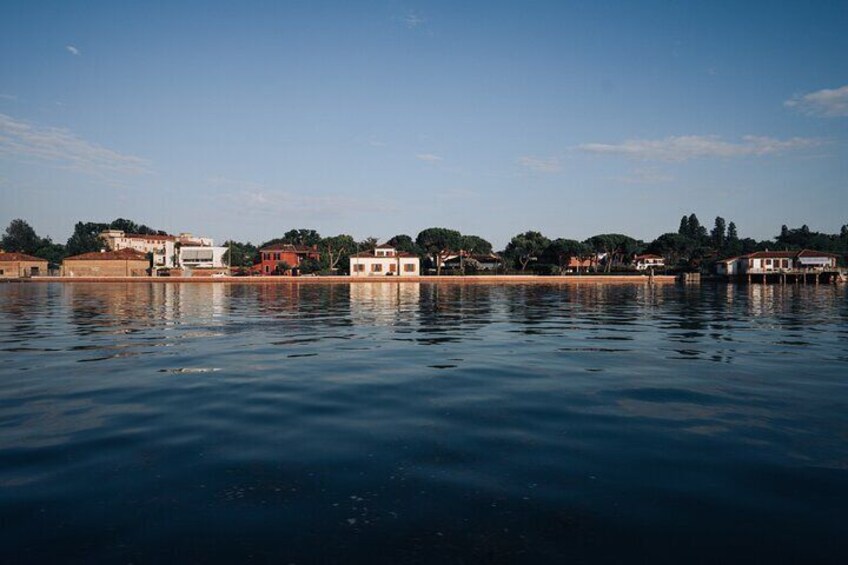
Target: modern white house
{"x": 201, "y": 257}
{"x": 384, "y": 260}
{"x": 648, "y": 261}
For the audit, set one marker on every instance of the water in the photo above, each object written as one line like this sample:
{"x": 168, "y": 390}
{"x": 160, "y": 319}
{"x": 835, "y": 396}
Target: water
{"x": 413, "y": 423}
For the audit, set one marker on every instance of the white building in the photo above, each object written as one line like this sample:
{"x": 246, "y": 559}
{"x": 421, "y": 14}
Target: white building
{"x": 648, "y": 261}
{"x": 384, "y": 260}
{"x": 764, "y": 262}
{"x": 201, "y": 257}
{"x": 169, "y": 251}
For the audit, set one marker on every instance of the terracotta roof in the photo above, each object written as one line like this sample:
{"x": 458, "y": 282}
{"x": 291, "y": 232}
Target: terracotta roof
{"x": 120, "y": 255}
{"x": 19, "y": 257}
{"x": 290, "y": 248}
{"x": 811, "y": 253}
{"x": 150, "y": 236}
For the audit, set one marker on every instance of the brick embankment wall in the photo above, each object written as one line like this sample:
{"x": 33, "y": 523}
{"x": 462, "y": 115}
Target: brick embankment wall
{"x": 494, "y": 279}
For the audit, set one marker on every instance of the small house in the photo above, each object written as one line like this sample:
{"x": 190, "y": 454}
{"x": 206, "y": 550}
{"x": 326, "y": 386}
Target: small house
{"x": 21, "y": 265}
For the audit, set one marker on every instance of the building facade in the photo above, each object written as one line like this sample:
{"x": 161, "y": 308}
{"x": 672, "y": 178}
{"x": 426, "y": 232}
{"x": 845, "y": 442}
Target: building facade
{"x": 168, "y": 250}
{"x": 121, "y": 263}
{"x": 284, "y": 258}
{"x": 648, "y": 261}
{"x": 384, "y": 260}
{"x": 765, "y": 262}
{"x": 21, "y": 265}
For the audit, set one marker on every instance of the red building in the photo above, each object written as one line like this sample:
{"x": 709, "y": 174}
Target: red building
{"x": 274, "y": 258}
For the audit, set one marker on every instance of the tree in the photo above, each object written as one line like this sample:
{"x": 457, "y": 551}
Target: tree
{"x": 405, "y": 244}
{"x": 302, "y": 236}
{"x": 674, "y": 247}
{"x": 333, "y": 249}
{"x": 560, "y": 251}
{"x": 243, "y": 254}
{"x": 718, "y": 235}
{"x": 696, "y": 230}
{"x": 20, "y": 237}
{"x": 368, "y": 244}
{"x": 439, "y": 243}
{"x": 282, "y": 268}
{"x": 615, "y": 245}
{"x": 733, "y": 246}
{"x": 526, "y": 247}
{"x": 86, "y": 238}
{"x": 474, "y": 244}
{"x": 684, "y": 226}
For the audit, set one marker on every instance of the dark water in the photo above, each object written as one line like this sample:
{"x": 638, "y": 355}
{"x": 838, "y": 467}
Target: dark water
{"x": 423, "y": 424}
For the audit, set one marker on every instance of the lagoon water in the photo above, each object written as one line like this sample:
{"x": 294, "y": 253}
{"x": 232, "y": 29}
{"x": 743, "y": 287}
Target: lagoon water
{"x": 417, "y": 423}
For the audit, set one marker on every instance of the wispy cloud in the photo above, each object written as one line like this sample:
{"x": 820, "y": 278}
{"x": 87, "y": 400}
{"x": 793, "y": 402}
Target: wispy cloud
{"x": 61, "y": 148}
{"x": 10, "y": 97}
{"x": 259, "y": 199}
{"x": 72, "y": 50}
{"x": 541, "y": 164}
{"x": 428, "y": 157}
{"x": 413, "y": 20}
{"x": 683, "y": 148}
{"x": 645, "y": 175}
{"x": 826, "y": 103}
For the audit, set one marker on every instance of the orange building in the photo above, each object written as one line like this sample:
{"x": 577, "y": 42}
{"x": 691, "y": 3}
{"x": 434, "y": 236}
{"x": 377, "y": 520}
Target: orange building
{"x": 272, "y": 257}
{"x": 21, "y": 265}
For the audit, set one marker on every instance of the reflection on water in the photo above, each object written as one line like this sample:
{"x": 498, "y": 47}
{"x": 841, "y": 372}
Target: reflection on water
{"x": 438, "y": 423}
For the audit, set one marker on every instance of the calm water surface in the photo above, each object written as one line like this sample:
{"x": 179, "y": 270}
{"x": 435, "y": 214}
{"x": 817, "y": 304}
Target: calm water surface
{"x": 407, "y": 423}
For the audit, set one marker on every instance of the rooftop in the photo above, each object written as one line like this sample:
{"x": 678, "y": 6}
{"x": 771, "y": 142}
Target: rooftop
{"x": 120, "y": 255}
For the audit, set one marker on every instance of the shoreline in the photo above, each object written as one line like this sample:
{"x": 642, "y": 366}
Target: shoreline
{"x": 481, "y": 279}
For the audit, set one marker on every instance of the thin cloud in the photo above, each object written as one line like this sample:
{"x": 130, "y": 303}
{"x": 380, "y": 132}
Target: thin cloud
{"x": 10, "y": 97}
{"x": 428, "y": 157}
{"x": 683, "y": 148}
{"x": 645, "y": 175}
{"x": 414, "y": 20}
{"x": 258, "y": 199}
{"x": 72, "y": 50}
{"x": 825, "y": 103}
{"x": 61, "y": 148}
{"x": 541, "y": 164}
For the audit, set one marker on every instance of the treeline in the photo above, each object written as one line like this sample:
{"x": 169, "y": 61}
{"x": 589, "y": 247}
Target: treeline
{"x": 691, "y": 246}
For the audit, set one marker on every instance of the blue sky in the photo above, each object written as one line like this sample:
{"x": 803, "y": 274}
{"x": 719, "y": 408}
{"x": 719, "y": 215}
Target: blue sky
{"x": 246, "y": 119}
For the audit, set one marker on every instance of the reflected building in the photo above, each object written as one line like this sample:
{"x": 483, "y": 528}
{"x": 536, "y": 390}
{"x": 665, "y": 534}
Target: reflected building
{"x": 384, "y": 303}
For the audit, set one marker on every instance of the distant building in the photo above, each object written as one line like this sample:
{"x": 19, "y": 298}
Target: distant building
{"x": 384, "y": 260}
{"x": 273, "y": 257}
{"x": 21, "y": 265}
{"x": 184, "y": 251}
{"x": 121, "y": 263}
{"x": 764, "y": 262}
{"x": 476, "y": 261}
{"x": 648, "y": 261}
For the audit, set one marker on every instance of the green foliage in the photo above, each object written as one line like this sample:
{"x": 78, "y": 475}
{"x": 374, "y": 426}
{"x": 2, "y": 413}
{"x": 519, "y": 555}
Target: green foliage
{"x": 336, "y": 250}
{"x": 526, "y": 247}
{"x": 438, "y": 243}
{"x": 85, "y": 238}
{"x": 129, "y": 226}
{"x": 243, "y": 254}
{"x": 302, "y": 236}
{"x": 560, "y": 251}
{"x": 282, "y": 268}
{"x": 20, "y": 237}
{"x": 616, "y": 246}
{"x": 475, "y": 245}
{"x": 309, "y": 266}
{"x": 405, "y": 244}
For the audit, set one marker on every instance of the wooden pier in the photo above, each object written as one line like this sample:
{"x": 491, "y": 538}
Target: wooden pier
{"x": 798, "y": 277}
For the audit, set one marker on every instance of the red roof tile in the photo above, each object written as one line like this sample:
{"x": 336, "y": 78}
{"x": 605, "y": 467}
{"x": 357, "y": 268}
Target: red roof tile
{"x": 120, "y": 255}
{"x": 19, "y": 257}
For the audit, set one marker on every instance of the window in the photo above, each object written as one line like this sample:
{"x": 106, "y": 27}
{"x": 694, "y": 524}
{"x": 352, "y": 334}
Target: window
{"x": 359, "y": 268}
{"x": 392, "y": 268}
{"x": 2, "y": 272}
{"x": 267, "y": 269}
{"x": 276, "y": 256}
{"x": 409, "y": 268}
{"x": 376, "y": 268}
